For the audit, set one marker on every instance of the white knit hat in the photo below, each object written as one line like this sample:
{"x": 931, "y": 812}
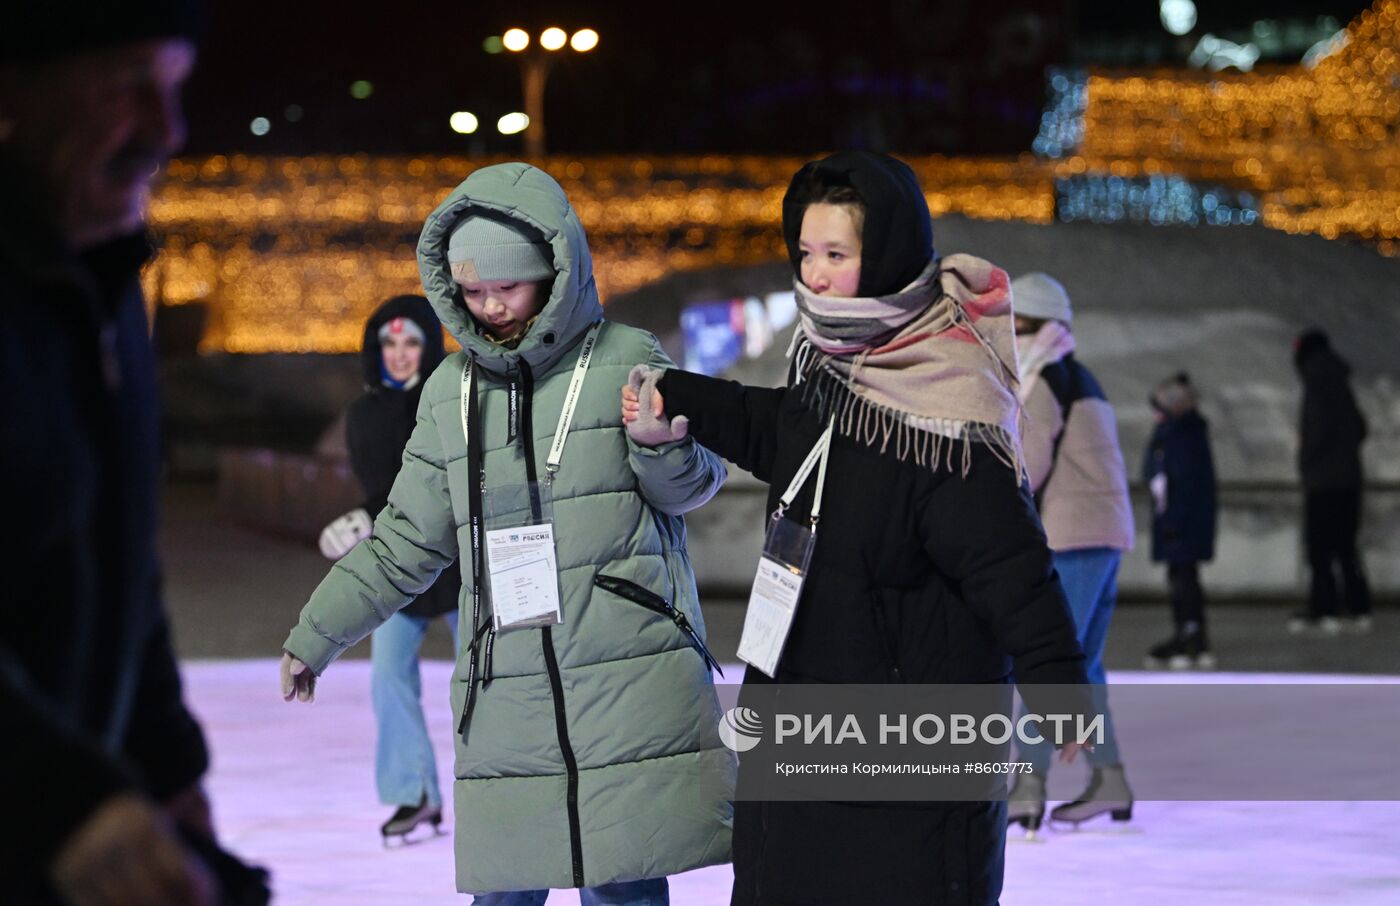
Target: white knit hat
{"x": 1040, "y": 296}
{"x": 482, "y": 248}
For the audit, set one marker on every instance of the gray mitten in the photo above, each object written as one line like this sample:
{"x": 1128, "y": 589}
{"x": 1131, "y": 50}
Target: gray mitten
{"x": 344, "y": 533}
{"x": 648, "y": 430}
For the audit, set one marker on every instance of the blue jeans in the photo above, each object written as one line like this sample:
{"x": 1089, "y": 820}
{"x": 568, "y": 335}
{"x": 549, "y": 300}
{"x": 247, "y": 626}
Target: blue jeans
{"x": 648, "y": 892}
{"x": 404, "y": 768}
{"x": 1090, "y": 580}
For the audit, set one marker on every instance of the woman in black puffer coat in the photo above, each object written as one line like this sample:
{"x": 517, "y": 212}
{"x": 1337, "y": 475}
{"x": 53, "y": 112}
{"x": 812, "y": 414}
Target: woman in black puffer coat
{"x": 402, "y": 345}
{"x": 930, "y": 564}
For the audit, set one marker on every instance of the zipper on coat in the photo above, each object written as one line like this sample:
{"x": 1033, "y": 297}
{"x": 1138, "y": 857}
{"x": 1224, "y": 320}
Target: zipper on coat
{"x": 645, "y": 597}
{"x": 551, "y": 661}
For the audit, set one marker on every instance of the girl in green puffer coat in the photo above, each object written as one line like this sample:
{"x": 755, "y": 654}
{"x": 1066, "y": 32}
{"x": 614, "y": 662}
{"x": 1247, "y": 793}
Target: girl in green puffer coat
{"x": 588, "y": 754}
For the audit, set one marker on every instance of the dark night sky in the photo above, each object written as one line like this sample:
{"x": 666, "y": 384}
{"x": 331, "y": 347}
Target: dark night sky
{"x": 715, "y": 75}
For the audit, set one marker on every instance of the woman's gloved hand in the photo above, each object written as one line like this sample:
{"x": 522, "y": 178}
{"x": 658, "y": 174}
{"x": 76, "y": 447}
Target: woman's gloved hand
{"x": 338, "y": 538}
{"x": 297, "y": 680}
{"x": 644, "y": 411}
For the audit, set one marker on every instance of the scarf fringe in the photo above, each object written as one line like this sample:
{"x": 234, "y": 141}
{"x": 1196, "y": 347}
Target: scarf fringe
{"x": 931, "y": 442}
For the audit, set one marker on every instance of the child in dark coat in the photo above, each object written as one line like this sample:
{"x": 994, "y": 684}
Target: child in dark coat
{"x": 1180, "y": 473}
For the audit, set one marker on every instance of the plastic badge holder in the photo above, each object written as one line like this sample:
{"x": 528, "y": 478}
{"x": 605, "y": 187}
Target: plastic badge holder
{"x": 522, "y": 565}
{"x": 776, "y": 587}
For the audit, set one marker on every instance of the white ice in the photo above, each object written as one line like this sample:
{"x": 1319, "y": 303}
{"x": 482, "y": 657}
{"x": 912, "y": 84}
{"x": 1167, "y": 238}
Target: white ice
{"x": 293, "y": 790}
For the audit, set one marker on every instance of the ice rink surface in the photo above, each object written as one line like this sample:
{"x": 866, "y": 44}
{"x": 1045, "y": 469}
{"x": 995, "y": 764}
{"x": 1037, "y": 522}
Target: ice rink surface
{"x": 293, "y": 789}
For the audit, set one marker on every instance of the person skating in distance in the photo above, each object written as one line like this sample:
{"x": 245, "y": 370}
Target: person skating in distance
{"x": 1081, "y": 489}
{"x": 1180, "y": 475}
{"x": 402, "y": 345}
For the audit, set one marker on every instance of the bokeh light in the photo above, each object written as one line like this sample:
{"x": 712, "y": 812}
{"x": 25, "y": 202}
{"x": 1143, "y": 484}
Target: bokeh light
{"x": 584, "y": 40}
{"x": 553, "y": 38}
{"x": 463, "y": 122}
{"x": 512, "y": 123}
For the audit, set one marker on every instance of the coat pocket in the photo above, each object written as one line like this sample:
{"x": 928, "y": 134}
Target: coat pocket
{"x": 644, "y": 597}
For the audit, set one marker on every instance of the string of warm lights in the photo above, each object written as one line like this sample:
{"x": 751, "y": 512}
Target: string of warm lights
{"x": 292, "y": 253}
{"x": 1320, "y": 149}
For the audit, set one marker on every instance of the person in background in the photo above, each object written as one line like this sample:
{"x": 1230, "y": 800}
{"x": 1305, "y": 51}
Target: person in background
{"x": 1180, "y": 474}
{"x": 102, "y": 761}
{"x": 402, "y": 345}
{"x": 1330, "y": 435}
{"x": 1081, "y": 489}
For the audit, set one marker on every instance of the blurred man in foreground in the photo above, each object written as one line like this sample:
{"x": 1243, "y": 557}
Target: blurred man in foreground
{"x": 102, "y": 762}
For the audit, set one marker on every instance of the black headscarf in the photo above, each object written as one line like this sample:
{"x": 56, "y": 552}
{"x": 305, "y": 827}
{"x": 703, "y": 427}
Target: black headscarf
{"x": 897, "y": 237}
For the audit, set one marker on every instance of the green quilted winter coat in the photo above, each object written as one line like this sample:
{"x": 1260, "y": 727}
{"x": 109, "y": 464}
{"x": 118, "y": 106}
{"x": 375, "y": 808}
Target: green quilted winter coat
{"x": 592, "y": 754}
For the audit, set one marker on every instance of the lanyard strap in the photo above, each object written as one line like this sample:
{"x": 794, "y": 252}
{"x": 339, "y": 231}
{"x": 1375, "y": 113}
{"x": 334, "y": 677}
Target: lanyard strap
{"x": 476, "y": 478}
{"x": 566, "y": 415}
{"x": 817, "y": 458}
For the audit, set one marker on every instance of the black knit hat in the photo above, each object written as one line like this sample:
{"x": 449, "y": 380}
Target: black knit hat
{"x": 35, "y": 32}
{"x": 897, "y": 238}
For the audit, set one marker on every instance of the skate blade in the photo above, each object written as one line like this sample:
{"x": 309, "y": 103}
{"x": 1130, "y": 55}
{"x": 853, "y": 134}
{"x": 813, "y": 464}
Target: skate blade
{"x": 1093, "y": 828}
{"x": 412, "y": 837}
{"x": 1031, "y": 836}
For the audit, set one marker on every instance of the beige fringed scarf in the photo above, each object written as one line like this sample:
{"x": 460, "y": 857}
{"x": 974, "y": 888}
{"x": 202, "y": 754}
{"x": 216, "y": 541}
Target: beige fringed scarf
{"x": 920, "y": 370}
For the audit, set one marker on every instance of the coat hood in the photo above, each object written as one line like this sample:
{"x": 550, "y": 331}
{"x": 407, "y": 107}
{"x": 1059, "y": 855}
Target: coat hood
{"x": 415, "y": 308}
{"x": 897, "y": 236}
{"x": 1316, "y": 360}
{"x": 531, "y": 197}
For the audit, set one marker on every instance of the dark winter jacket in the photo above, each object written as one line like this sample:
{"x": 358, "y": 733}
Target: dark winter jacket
{"x": 1332, "y": 427}
{"x": 379, "y": 424}
{"x": 1183, "y": 532}
{"x": 917, "y": 576}
{"x": 90, "y": 698}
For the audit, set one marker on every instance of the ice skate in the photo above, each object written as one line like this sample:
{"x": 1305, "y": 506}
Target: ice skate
{"x": 1305, "y": 623}
{"x": 1359, "y": 624}
{"x": 1025, "y": 804}
{"x": 1107, "y": 793}
{"x": 407, "y": 818}
{"x": 1189, "y": 649}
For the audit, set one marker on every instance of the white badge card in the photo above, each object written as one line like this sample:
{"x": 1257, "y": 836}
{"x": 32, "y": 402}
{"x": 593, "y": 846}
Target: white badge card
{"x": 776, "y": 587}
{"x": 520, "y": 557}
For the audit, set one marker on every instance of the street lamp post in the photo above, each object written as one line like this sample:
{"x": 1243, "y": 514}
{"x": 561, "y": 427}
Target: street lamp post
{"x": 534, "y": 72}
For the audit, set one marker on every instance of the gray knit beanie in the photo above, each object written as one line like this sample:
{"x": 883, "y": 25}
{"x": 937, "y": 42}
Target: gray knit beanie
{"x": 1040, "y": 296}
{"x": 481, "y": 248}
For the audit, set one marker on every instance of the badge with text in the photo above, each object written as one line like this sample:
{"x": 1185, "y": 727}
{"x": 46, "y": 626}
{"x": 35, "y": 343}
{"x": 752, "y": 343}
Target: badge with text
{"x": 524, "y": 576}
{"x": 521, "y": 562}
{"x": 787, "y": 552}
